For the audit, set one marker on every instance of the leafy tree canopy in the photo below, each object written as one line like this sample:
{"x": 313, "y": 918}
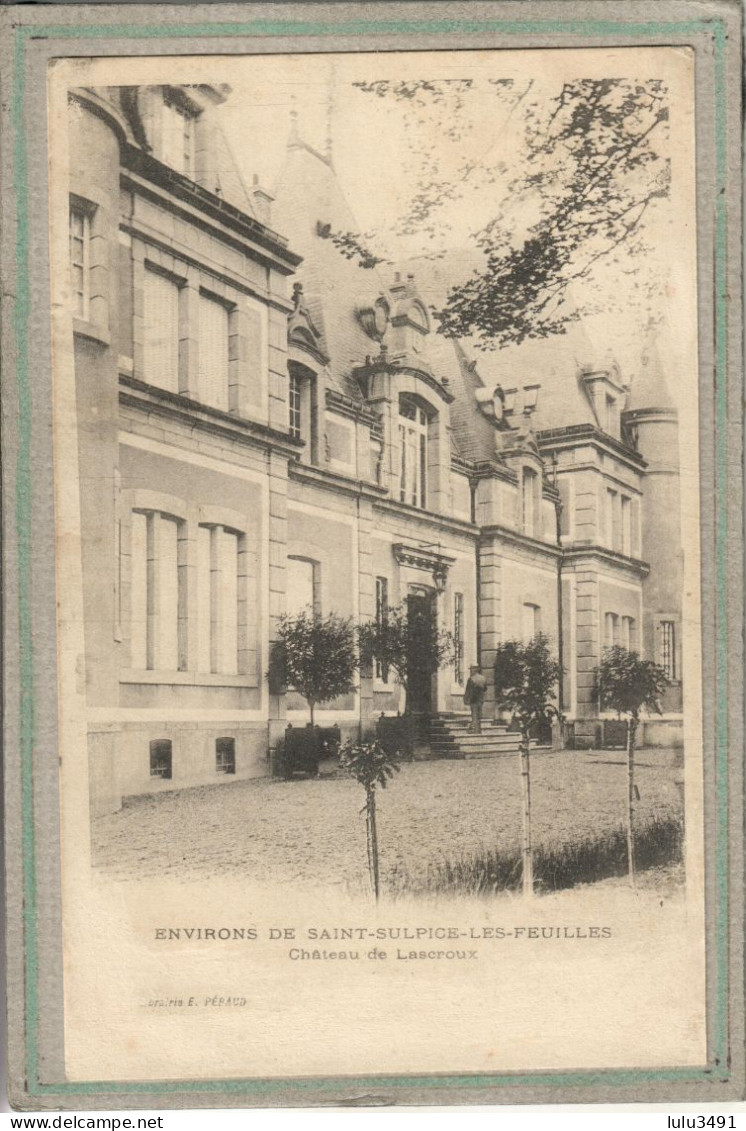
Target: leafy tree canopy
{"x": 315, "y": 655}
{"x": 586, "y": 166}
{"x": 407, "y": 636}
{"x": 627, "y": 684}
{"x": 368, "y": 763}
{"x": 526, "y": 679}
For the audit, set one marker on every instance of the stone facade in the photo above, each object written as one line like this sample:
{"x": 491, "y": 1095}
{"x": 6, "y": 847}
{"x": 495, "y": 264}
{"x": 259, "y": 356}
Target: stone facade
{"x": 262, "y": 424}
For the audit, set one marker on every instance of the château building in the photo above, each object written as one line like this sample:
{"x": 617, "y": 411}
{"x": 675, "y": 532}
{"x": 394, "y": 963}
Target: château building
{"x": 263, "y": 425}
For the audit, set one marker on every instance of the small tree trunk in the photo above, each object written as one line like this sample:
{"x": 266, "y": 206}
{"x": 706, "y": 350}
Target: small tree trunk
{"x": 311, "y": 704}
{"x": 372, "y": 836}
{"x": 631, "y": 731}
{"x": 528, "y": 863}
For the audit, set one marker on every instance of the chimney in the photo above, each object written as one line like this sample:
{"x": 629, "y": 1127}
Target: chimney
{"x": 261, "y": 200}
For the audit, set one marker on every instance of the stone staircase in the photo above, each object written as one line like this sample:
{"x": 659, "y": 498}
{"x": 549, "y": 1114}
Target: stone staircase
{"x": 449, "y": 737}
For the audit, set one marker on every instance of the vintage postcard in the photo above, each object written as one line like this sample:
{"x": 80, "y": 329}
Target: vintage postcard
{"x": 372, "y": 573}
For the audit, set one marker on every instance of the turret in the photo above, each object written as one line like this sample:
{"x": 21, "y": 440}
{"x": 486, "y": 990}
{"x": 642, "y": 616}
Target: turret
{"x": 651, "y": 424}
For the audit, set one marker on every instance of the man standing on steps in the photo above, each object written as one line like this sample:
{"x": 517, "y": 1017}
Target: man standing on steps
{"x": 474, "y": 693}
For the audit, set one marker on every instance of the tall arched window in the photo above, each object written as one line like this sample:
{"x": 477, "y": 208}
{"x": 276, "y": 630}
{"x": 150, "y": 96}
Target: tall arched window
{"x": 413, "y": 453}
{"x": 157, "y": 580}
{"x": 221, "y": 604}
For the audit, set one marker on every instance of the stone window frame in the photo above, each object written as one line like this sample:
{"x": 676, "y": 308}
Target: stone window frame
{"x": 674, "y": 619}
{"x": 194, "y": 281}
{"x": 229, "y": 765}
{"x": 167, "y": 764}
{"x": 156, "y": 504}
{"x": 612, "y": 621}
{"x": 629, "y": 633}
{"x": 207, "y": 520}
{"x": 382, "y": 681}
{"x": 248, "y": 623}
{"x": 190, "y": 517}
{"x": 421, "y": 428}
{"x": 219, "y": 296}
{"x": 162, "y": 96}
{"x": 316, "y": 580}
{"x": 310, "y": 387}
{"x": 94, "y": 321}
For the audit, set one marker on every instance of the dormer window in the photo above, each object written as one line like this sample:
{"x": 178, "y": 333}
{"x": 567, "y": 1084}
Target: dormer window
{"x": 413, "y": 454}
{"x": 612, "y": 416}
{"x": 303, "y": 409}
{"x": 177, "y": 136}
{"x": 530, "y": 395}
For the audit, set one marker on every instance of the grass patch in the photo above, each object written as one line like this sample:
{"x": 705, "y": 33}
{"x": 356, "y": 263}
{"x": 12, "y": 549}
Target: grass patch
{"x": 658, "y": 843}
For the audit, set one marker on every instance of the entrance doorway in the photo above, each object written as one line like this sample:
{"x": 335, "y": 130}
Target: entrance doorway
{"x": 420, "y": 607}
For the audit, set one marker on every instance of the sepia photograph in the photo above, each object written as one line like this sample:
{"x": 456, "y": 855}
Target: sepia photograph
{"x": 380, "y": 607}
{"x": 390, "y": 499}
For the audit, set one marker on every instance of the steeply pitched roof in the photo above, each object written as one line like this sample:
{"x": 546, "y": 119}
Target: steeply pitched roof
{"x": 309, "y": 204}
{"x": 306, "y": 195}
{"x": 649, "y": 385}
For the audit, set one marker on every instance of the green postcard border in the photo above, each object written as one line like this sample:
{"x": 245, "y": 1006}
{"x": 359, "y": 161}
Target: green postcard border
{"x": 718, "y": 1070}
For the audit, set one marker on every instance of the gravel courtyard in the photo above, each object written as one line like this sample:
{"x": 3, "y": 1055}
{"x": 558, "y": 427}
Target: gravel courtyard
{"x": 313, "y": 832}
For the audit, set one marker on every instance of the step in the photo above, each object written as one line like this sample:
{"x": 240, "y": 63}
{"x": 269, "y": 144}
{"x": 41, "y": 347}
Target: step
{"x": 487, "y": 728}
{"x": 468, "y": 739}
{"x": 486, "y": 748}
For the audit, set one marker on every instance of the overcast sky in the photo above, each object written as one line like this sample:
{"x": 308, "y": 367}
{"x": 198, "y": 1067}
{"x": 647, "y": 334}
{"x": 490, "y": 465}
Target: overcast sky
{"x": 379, "y": 145}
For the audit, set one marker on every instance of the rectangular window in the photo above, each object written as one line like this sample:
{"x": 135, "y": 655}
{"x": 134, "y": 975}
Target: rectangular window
{"x": 413, "y": 437}
{"x": 458, "y": 637}
{"x": 531, "y": 624}
{"x": 161, "y": 332}
{"x": 177, "y": 138}
{"x": 213, "y": 333}
{"x": 668, "y": 648}
{"x": 80, "y": 261}
{"x": 382, "y": 609}
{"x": 161, "y": 763}
{"x": 225, "y": 755}
{"x": 294, "y": 405}
{"x": 302, "y": 587}
{"x": 218, "y": 586}
{"x": 156, "y": 592}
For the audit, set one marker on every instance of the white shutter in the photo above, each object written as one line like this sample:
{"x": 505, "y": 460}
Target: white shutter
{"x": 139, "y": 592}
{"x": 167, "y": 619}
{"x": 161, "y": 336}
{"x": 204, "y": 633}
{"x": 228, "y": 574}
{"x": 213, "y": 353}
